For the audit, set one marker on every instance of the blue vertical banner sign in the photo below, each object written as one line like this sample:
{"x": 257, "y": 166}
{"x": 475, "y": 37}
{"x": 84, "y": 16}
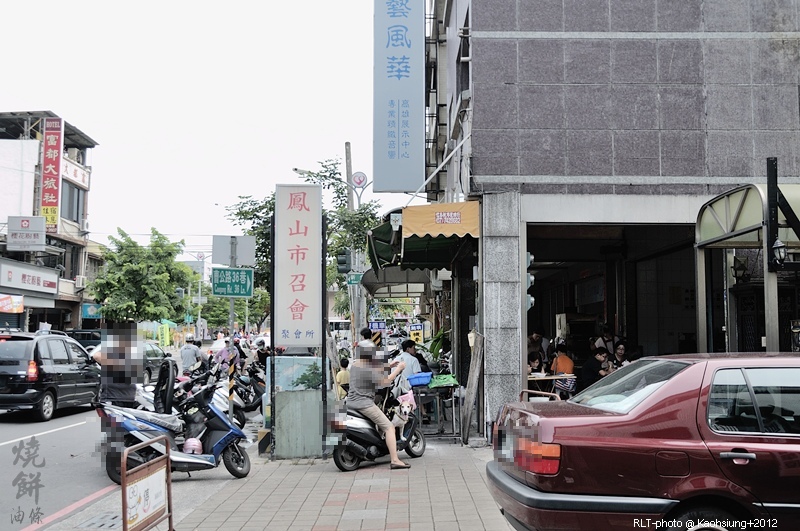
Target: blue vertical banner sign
{"x": 298, "y": 257}
{"x": 399, "y": 96}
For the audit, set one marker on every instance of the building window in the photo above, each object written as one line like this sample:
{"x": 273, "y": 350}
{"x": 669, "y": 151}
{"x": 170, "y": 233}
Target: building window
{"x": 73, "y": 201}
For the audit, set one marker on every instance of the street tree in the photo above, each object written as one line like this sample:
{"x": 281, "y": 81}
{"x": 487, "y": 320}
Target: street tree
{"x": 345, "y": 229}
{"x": 217, "y": 310}
{"x": 139, "y": 282}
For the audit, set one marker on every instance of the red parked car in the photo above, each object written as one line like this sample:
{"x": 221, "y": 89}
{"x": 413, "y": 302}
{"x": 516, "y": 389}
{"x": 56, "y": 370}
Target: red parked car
{"x": 664, "y": 443}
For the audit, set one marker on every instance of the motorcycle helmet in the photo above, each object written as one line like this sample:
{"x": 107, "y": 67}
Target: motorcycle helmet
{"x": 192, "y": 446}
{"x": 261, "y": 343}
{"x": 189, "y": 337}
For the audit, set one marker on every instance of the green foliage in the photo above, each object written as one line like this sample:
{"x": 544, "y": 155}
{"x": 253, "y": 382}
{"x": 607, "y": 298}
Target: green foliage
{"x": 137, "y": 282}
{"x": 310, "y": 379}
{"x": 388, "y": 308}
{"x": 345, "y": 229}
{"x": 255, "y": 217}
{"x": 216, "y": 311}
{"x": 341, "y": 303}
{"x": 435, "y": 345}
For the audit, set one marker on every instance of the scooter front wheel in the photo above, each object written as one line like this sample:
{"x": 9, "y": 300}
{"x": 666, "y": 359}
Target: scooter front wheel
{"x": 236, "y": 460}
{"x": 345, "y": 460}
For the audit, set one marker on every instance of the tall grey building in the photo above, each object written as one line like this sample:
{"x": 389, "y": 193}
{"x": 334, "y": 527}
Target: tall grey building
{"x": 592, "y": 132}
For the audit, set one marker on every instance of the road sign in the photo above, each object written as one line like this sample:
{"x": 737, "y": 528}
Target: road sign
{"x": 199, "y": 300}
{"x": 232, "y": 282}
{"x": 415, "y": 331}
{"x": 353, "y": 279}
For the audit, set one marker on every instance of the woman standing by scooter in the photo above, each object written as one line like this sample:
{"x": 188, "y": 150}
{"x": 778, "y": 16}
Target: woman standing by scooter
{"x": 366, "y": 376}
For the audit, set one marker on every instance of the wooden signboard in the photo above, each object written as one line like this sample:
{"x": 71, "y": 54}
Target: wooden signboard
{"x": 475, "y": 368}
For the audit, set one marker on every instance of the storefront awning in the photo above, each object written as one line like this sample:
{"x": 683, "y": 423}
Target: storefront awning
{"x": 392, "y": 282}
{"x": 736, "y": 218}
{"x": 427, "y": 238}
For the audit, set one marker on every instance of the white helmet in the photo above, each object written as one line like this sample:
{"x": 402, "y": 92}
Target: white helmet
{"x": 192, "y": 446}
{"x": 261, "y": 343}
{"x": 189, "y": 337}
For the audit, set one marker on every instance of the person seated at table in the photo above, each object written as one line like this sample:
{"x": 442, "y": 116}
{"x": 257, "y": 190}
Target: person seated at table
{"x": 593, "y": 369}
{"x": 423, "y": 363}
{"x": 407, "y": 356}
{"x": 562, "y": 364}
{"x": 535, "y": 362}
{"x": 619, "y": 359}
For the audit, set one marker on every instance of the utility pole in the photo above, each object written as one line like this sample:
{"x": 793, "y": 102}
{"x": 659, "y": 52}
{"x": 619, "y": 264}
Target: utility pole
{"x": 356, "y": 292}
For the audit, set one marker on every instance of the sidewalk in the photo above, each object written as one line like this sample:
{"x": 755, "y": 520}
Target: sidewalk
{"x": 445, "y": 489}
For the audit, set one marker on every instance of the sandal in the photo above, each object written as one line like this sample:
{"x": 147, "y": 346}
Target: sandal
{"x": 396, "y": 466}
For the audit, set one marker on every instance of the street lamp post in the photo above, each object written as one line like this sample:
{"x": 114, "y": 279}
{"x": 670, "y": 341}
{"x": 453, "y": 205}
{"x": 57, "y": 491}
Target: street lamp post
{"x": 356, "y": 184}
{"x": 200, "y": 257}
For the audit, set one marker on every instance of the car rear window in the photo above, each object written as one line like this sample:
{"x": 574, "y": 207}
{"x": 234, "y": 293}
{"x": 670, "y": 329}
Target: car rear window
{"x": 14, "y": 350}
{"x": 622, "y": 390}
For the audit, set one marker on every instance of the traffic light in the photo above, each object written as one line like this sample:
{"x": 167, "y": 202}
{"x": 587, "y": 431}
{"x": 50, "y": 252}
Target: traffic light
{"x": 344, "y": 263}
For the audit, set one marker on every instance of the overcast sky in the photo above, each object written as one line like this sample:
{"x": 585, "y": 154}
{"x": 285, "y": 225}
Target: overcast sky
{"x": 195, "y": 103}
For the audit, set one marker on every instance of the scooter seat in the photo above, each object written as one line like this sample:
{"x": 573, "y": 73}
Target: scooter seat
{"x": 170, "y": 422}
{"x": 355, "y": 413}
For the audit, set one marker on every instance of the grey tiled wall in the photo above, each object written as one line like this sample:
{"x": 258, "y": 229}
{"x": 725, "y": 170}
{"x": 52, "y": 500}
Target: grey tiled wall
{"x": 621, "y": 88}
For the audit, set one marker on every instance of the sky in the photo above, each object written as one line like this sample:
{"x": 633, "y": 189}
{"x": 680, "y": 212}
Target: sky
{"x": 194, "y": 104}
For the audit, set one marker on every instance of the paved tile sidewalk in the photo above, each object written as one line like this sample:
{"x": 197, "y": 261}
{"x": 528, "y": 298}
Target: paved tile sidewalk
{"x": 443, "y": 490}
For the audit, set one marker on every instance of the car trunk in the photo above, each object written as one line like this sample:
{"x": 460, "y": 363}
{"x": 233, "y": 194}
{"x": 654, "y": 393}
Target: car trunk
{"x": 582, "y": 434}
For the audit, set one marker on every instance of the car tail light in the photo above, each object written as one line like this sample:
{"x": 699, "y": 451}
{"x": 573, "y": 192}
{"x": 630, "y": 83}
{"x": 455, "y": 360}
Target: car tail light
{"x": 33, "y": 372}
{"x": 536, "y": 457}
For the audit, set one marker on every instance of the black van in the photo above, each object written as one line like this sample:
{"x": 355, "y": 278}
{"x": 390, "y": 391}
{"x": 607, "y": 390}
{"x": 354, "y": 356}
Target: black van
{"x": 45, "y": 371}
{"x": 87, "y": 338}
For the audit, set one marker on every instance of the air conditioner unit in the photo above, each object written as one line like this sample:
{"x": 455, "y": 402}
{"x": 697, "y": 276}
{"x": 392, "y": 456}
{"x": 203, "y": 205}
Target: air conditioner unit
{"x": 84, "y": 225}
{"x": 80, "y": 282}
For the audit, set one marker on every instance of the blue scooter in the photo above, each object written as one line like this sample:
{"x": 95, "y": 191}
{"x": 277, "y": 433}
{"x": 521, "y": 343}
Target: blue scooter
{"x": 200, "y": 437}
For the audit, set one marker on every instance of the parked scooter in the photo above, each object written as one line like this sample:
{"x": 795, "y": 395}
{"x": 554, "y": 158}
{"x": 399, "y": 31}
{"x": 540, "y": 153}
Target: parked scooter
{"x": 250, "y": 389}
{"x": 200, "y": 437}
{"x": 144, "y": 396}
{"x": 363, "y": 442}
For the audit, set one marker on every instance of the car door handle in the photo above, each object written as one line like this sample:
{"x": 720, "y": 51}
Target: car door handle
{"x": 737, "y": 455}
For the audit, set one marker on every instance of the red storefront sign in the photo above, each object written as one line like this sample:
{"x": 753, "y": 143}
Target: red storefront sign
{"x": 51, "y": 172}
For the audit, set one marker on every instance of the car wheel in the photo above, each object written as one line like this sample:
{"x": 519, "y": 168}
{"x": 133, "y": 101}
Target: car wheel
{"x": 692, "y": 516}
{"x": 46, "y": 407}
{"x": 146, "y": 378}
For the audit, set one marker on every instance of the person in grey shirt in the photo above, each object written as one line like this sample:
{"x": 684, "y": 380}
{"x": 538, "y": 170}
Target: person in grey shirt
{"x": 366, "y": 375}
{"x": 190, "y": 354}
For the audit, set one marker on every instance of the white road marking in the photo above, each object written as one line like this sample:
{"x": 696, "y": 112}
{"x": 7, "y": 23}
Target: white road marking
{"x": 42, "y": 433}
